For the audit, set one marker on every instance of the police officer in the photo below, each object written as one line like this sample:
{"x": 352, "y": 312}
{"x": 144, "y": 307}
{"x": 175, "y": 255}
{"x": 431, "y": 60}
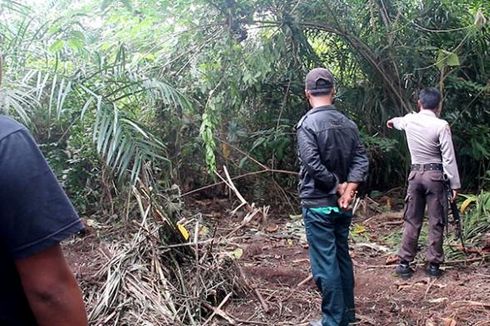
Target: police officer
{"x": 332, "y": 164}
{"x": 433, "y": 160}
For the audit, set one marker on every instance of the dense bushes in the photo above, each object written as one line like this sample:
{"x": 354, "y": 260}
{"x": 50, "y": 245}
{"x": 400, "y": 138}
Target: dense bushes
{"x": 184, "y": 87}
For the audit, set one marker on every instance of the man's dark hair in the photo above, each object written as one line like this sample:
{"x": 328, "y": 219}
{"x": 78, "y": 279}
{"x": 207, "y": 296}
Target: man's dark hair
{"x": 324, "y": 93}
{"x": 430, "y": 98}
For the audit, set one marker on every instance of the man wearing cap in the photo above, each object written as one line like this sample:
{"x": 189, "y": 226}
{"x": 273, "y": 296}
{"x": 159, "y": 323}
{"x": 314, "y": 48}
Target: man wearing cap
{"x": 433, "y": 160}
{"x": 332, "y": 164}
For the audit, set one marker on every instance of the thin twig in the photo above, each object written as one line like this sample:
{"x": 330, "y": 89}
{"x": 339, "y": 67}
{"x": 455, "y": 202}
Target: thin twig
{"x": 306, "y": 280}
{"x": 264, "y": 304}
{"x": 219, "y": 312}
{"x": 255, "y": 290}
{"x": 232, "y": 187}
{"x": 450, "y": 262}
{"x": 263, "y": 166}
{"x": 284, "y": 102}
{"x": 239, "y": 177}
{"x": 429, "y": 286}
{"x": 471, "y": 260}
{"x": 471, "y": 303}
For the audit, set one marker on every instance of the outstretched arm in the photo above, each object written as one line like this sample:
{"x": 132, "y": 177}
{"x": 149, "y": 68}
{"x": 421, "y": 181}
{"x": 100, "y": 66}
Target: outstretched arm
{"x": 397, "y": 123}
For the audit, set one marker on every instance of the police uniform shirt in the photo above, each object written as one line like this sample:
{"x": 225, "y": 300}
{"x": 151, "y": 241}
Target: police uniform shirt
{"x": 429, "y": 141}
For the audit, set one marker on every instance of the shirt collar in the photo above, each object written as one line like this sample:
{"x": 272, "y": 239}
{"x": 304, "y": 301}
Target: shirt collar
{"x": 321, "y": 108}
{"x": 428, "y": 113}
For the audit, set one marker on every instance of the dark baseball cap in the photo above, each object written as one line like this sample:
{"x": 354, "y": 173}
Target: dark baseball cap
{"x": 319, "y": 80}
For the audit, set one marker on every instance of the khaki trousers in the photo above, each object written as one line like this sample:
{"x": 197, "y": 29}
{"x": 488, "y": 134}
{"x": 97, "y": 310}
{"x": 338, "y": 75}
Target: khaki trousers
{"x": 424, "y": 188}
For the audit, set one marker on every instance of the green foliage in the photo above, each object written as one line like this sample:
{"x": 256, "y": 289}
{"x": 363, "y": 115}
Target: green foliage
{"x": 446, "y": 59}
{"x": 77, "y": 165}
{"x": 476, "y": 222}
{"x": 276, "y": 142}
{"x": 160, "y": 84}
{"x": 104, "y": 86}
{"x": 123, "y": 91}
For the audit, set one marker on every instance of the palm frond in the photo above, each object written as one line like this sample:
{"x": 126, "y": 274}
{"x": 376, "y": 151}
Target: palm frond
{"x": 14, "y": 6}
{"x": 124, "y": 144}
{"x": 169, "y": 94}
{"x": 18, "y": 100}
{"x": 107, "y": 92}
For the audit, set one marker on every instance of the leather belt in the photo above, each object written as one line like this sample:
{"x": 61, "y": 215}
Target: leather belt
{"x": 426, "y": 167}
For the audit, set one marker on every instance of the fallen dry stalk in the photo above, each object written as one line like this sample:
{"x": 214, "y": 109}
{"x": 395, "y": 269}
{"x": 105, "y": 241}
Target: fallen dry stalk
{"x": 218, "y": 311}
{"x": 471, "y": 303}
{"x": 263, "y": 303}
{"x": 252, "y": 211}
{"x": 306, "y": 280}
{"x": 148, "y": 273}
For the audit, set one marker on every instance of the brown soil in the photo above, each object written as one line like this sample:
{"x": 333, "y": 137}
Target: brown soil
{"x": 275, "y": 261}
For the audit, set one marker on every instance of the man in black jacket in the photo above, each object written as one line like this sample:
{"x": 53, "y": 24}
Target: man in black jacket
{"x": 332, "y": 164}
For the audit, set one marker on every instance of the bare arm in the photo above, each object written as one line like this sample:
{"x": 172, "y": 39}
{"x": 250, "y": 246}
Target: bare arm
{"x": 51, "y": 289}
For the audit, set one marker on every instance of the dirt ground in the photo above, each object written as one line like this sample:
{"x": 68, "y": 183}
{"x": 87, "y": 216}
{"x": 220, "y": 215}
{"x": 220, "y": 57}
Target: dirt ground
{"x": 275, "y": 262}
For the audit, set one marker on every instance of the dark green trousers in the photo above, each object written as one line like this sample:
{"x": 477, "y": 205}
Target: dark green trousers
{"x": 331, "y": 264}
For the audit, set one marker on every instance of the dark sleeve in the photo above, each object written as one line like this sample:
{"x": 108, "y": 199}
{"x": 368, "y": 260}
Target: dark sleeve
{"x": 35, "y": 212}
{"x": 358, "y": 169}
{"x": 309, "y": 155}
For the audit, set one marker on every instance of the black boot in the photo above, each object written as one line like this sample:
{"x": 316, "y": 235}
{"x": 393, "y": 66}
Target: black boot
{"x": 433, "y": 270}
{"x": 403, "y": 270}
